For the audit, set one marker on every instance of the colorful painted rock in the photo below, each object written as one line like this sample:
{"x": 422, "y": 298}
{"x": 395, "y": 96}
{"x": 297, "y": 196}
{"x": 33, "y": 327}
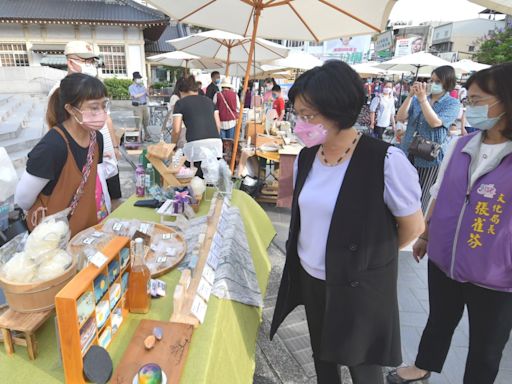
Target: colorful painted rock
{"x": 158, "y": 333}
{"x": 149, "y": 342}
{"x": 150, "y": 374}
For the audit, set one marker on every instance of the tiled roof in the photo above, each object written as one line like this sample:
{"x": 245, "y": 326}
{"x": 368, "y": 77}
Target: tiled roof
{"x": 87, "y": 11}
{"x": 173, "y": 31}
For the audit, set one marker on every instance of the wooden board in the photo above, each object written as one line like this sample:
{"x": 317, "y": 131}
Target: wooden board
{"x": 155, "y": 269}
{"x": 182, "y": 309}
{"x": 170, "y": 353}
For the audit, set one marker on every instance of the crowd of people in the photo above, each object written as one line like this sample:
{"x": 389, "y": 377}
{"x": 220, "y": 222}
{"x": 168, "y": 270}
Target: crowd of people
{"x": 357, "y": 200}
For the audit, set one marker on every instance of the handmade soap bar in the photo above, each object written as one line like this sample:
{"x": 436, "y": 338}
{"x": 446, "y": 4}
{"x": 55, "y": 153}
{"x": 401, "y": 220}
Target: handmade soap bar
{"x": 125, "y": 257}
{"x": 116, "y": 319}
{"x": 100, "y": 286}
{"x": 115, "y": 294}
{"x": 87, "y": 334}
{"x": 105, "y": 338}
{"x": 150, "y": 374}
{"x": 102, "y": 312}
{"x": 113, "y": 270}
{"x": 84, "y": 306}
{"x": 149, "y": 342}
{"x": 124, "y": 282}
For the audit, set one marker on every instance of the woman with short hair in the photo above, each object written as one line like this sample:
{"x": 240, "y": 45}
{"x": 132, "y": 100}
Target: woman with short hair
{"x": 429, "y": 116}
{"x": 356, "y": 202}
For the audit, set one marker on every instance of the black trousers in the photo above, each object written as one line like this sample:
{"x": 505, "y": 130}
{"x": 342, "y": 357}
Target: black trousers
{"x": 313, "y": 293}
{"x": 378, "y": 131}
{"x": 490, "y": 322}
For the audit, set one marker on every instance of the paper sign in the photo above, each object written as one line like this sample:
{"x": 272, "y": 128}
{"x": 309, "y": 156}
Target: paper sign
{"x": 144, "y": 228}
{"x": 98, "y": 259}
{"x": 161, "y": 259}
{"x": 166, "y": 236}
{"x": 209, "y": 274}
{"x": 117, "y": 227}
{"x": 199, "y": 308}
{"x": 204, "y": 289}
{"x": 97, "y": 234}
{"x": 89, "y": 240}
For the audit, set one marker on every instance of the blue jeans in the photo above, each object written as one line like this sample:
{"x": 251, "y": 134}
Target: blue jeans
{"x": 227, "y": 133}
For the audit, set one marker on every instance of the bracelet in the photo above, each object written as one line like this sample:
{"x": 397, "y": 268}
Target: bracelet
{"x": 422, "y": 238}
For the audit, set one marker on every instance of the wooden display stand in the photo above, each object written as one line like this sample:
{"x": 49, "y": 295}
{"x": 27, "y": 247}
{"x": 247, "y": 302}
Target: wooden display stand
{"x": 26, "y": 323}
{"x": 186, "y": 289}
{"x": 67, "y": 311}
{"x": 160, "y": 152}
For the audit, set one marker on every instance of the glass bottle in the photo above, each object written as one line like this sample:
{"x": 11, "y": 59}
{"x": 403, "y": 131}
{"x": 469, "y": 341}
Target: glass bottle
{"x": 139, "y": 298}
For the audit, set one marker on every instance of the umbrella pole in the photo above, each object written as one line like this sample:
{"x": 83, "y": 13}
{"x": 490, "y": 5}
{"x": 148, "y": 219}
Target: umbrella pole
{"x": 257, "y": 13}
{"x": 228, "y": 60}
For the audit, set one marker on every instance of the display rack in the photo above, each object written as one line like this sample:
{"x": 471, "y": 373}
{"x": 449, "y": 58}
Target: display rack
{"x": 92, "y": 306}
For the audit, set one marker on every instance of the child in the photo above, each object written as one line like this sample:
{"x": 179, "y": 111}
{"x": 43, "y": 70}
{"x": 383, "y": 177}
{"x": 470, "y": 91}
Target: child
{"x": 278, "y": 103}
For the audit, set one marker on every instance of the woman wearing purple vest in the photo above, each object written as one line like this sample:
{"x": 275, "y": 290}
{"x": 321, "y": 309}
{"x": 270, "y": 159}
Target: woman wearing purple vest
{"x": 469, "y": 237}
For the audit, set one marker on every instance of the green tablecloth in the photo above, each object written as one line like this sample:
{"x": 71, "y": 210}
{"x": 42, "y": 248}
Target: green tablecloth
{"x": 222, "y": 349}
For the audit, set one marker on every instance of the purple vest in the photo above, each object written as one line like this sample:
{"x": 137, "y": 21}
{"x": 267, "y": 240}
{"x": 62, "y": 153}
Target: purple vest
{"x": 470, "y": 233}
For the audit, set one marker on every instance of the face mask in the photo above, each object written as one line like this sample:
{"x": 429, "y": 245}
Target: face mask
{"x": 478, "y": 117}
{"x": 217, "y": 81}
{"x": 274, "y": 97}
{"x": 269, "y": 87}
{"x": 310, "y": 134}
{"x": 138, "y": 81}
{"x": 89, "y": 69}
{"x": 386, "y": 91}
{"x": 436, "y": 89}
{"x": 92, "y": 121}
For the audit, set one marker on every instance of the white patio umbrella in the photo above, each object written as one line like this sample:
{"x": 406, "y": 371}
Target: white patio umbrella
{"x": 415, "y": 62}
{"x": 297, "y": 60}
{"x": 281, "y": 19}
{"x": 228, "y": 47}
{"x": 470, "y": 66}
{"x": 186, "y": 60}
{"x": 503, "y": 6}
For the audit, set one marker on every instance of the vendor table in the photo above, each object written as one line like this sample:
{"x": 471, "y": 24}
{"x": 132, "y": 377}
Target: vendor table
{"x": 222, "y": 348}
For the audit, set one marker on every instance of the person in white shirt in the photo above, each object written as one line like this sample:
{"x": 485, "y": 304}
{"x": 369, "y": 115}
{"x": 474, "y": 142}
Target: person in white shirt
{"x": 382, "y": 111}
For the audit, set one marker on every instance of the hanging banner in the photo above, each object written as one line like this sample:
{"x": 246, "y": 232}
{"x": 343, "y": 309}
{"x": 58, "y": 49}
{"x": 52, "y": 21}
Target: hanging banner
{"x": 352, "y": 50}
{"x": 408, "y": 45}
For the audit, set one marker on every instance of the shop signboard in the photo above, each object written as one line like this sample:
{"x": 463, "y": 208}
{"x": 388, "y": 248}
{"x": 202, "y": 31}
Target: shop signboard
{"x": 351, "y": 49}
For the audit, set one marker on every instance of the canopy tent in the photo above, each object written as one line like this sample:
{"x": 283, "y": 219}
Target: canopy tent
{"x": 468, "y": 66}
{"x": 297, "y": 60}
{"x": 503, "y": 6}
{"x": 415, "y": 62}
{"x": 186, "y": 60}
{"x": 282, "y": 19}
{"x": 228, "y": 47}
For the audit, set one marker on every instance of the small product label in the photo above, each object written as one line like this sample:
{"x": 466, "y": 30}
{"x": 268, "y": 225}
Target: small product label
{"x": 99, "y": 259}
{"x": 199, "y": 308}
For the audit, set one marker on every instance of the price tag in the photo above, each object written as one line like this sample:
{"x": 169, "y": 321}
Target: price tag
{"x": 144, "y": 228}
{"x": 117, "y": 226}
{"x": 166, "y": 236}
{"x": 208, "y": 274}
{"x": 171, "y": 251}
{"x": 204, "y": 289}
{"x": 97, "y": 234}
{"x": 199, "y": 308}
{"x": 89, "y": 240}
{"x": 99, "y": 259}
{"x": 161, "y": 259}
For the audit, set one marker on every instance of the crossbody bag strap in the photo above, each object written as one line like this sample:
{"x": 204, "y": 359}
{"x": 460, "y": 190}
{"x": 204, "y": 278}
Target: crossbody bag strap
{"x": 227, "y": 105}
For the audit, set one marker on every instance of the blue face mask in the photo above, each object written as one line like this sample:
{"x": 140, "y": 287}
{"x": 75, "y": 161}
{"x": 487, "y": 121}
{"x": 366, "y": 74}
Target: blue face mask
{"x": 217, "y": 81}
{"x": 436, "y": 89}
{"x": 478, "y": 117}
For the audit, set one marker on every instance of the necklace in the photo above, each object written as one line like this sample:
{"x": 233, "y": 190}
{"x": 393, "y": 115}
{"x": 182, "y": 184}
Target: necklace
{"x": 324, "y": 160}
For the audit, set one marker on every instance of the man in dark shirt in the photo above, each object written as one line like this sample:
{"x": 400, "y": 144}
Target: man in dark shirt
{"x": 213, "y": 88}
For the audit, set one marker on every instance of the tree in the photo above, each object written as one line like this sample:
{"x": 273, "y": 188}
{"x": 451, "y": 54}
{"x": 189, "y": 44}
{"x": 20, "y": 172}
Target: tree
{"x": 496, "y": 47}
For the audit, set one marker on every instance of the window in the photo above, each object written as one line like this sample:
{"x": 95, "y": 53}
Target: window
{"x": 316, "y": 44}
{"x": 471, "y": 48}
{"x": 114, "y": 59}
{"x": 13, "y": 55}
{"x": 445, "y": 33}
{"x": 294, "y": 44}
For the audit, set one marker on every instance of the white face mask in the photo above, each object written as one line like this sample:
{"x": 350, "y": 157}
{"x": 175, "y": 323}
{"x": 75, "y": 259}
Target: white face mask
{"x": 386, "y": 91}
{"x": 89, "y": 69}
{"x": 138, "y": 81}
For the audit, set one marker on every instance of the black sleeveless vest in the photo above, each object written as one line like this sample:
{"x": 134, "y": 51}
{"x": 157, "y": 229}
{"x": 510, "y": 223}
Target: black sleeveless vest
{"x": 361, "y": 323}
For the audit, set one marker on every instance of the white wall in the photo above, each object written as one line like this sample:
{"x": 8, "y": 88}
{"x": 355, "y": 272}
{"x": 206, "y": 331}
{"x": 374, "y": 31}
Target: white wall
{"x": 135, "y": 60}
{"x": 11, "y": 32}
{"x": 59, "y": 32}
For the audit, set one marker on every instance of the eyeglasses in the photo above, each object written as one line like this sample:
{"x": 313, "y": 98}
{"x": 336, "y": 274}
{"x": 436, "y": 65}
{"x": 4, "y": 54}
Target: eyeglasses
{"x": 96, "y": 108}
{"x": 476, "y": 100}
{"x": 81, "y": 60}
{"x": 305, "y": 118}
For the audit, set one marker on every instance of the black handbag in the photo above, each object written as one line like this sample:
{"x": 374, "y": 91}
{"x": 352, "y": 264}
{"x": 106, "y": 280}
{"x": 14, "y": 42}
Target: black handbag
{"x": 425, "y": 149}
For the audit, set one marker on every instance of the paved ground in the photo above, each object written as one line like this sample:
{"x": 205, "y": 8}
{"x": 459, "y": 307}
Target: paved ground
{"x": 287, "y": 359}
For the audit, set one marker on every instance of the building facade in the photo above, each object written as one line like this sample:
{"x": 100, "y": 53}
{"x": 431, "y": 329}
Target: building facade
{"x": 34, "y": 33}
{"x": 458, "y": 40}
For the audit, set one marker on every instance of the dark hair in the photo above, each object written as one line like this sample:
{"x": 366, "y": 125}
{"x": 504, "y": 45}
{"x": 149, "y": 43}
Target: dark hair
{"x": 176, "y": 90}
{"x": 188, "y": 85}
{"x": 335, "y": 90}
{"x": 276, "y": 88}
{"x": 497, "y": 81}
{"x": 74, "y": 90}
{"x": 446, "y": 75}
{"x": 214, "y": 73}
{"x": 270, "y": 80}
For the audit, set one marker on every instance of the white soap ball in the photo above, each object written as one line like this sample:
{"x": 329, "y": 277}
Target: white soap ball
{"x": 19, "y": 269}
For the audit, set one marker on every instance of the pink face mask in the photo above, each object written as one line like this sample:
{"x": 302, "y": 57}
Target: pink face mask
{"x": 93, "y": 121}
{"x": 310, "y": 134}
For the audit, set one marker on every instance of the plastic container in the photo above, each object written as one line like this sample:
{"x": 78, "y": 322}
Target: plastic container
{"x": 149, "y": 178}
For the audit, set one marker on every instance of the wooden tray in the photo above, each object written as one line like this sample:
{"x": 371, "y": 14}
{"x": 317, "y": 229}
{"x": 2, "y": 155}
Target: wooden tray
{"x": 155, "y": 269}
{"x": 170, "y": 353}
